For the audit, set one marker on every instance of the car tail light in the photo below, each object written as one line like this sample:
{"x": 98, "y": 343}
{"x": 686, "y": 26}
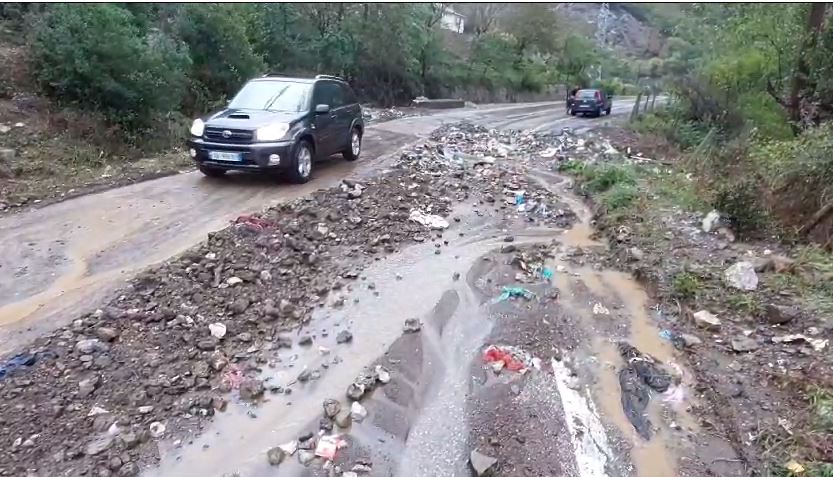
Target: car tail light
{"x": 598, "y": 96}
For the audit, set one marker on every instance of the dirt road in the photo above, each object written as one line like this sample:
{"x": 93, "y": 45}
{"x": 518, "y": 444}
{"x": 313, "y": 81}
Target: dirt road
{"x": 63, "y": 259}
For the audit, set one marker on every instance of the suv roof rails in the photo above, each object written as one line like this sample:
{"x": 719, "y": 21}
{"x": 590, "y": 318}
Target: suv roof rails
{"x": 273, "y": 74}
{"x": 329, "y": 77}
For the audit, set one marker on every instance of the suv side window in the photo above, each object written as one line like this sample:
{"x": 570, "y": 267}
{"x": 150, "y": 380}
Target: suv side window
{"x": 349, "y": 96}
{"x": 329, "y": 93}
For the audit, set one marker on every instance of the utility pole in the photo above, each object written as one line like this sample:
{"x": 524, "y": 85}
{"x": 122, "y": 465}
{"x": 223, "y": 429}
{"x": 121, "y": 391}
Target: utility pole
{"x": 601, "y": 30}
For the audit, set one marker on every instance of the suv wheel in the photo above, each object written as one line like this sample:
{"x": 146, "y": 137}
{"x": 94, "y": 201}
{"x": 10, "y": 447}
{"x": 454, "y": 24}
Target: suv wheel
{"x": 607, "y": 111}
{"x": 212, "y": 172}
{"x": 300, "y": 169}
{"x": 355, "y": 149}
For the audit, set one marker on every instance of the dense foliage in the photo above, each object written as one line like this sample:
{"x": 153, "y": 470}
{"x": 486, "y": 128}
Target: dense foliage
{"x": 138, "y": 62}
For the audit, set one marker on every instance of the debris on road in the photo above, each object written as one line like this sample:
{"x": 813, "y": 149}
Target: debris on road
{"x": 482, "y": 464}
{"x": 16, "y": 362}
{"x": 599, "y": 309}
{"x": 514, "y": 292}
{"x": 357, "y": 412}
{"x": 711, "y": 221}
{"x": 818, "y": 344}
{"x": 508, "y": 357}
{"x": 217, "y": 330}
{"x": 706, "y": 320}
{"x": 328, "y": 446}
{"x": 412, "y": 325}
{"x": 637, "y": 379}
{"x": 433, "y": 222}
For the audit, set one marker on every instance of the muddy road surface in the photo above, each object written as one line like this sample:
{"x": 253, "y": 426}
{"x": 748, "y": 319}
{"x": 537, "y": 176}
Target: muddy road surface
{"x": 61, "y": 260}
{"x": 445, "y": 314}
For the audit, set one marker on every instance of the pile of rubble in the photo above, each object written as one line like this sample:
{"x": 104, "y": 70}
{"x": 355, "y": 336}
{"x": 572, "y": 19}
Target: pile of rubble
{"x": 189, "y": 335}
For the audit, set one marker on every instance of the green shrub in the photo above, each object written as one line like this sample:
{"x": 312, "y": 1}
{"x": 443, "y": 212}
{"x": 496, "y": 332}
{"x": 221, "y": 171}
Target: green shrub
{"x": 222, "y": 55}
{"x": 741, "y": 203}
{"x": 619, "y": 196}
{"x": 602, "y": 177}
{"x": 685, "y": 285}
{"x": 93, "y": 56}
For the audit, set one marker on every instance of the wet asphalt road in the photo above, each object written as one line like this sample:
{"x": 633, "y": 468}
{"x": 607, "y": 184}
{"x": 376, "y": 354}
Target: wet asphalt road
{"x": 64, "y": 259}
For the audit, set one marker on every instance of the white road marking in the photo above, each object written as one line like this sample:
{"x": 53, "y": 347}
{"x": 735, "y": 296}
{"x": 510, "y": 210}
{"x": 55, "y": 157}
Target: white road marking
{"x": 587, "y": 434}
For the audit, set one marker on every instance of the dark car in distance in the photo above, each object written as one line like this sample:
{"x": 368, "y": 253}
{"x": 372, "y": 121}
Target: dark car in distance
{"x": 590, "y": 101}
{"x": 279, "y": 124}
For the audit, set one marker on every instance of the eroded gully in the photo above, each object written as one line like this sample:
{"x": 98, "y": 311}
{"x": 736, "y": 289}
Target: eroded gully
{"x": 441, "y": 403}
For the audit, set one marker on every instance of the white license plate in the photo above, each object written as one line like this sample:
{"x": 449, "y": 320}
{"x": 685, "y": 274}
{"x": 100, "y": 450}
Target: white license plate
{"x": 225, "y": 156}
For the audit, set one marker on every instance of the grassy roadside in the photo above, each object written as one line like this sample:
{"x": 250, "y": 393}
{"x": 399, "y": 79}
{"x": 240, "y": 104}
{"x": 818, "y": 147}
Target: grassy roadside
{"x": 773, "y": 401}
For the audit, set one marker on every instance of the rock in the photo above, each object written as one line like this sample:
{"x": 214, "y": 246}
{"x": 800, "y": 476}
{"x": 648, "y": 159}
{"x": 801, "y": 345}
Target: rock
{"x": 706, "y": 320}
{"x": 89, "y": 346}
{"x": 325, "y": 424}
{"x": 780, "y": 314}
{"x": 508, "y": 249}
{"x": 357, "y": 412}
{"x": 305, "y": 340}
{"x": 690, "y": 340}
{"x": 710, "y": 221}
{"x": 251, "y": 389}
{"x": 245, "y": 337}
{"x": 157, "y": 429}
{"x": 239, "y": 305}
{"x": 344, "y": 336}
{"x": 382, "y": 374}
{"x": 106, "y": 334}
{"x": 331, "y": 408}
{"x": 87, "y": 386}
{"x": 275, "y": 456}
{"x": 217, "y": 330}
{"x": 509, "y": 239}
{"x": 129, "y": 469}
{"x": 145, "y": 409}
{"x": 305, "y": 457}
{"x": 343, "y": 420}
{"x": 636, "y": 254}
{"x": 482, "y": 464}
{"x": 207, "y": 344}
{"x": 304, "y": 376}
{"x": 115, "y": 463}
{"x": 741, "y": 276}
{"x": 232, "y": 281}
{"x": 412, "y": 325}
{"x": 744, "y": 344}
{"x": 99, "y": 445}
{"x": 355, "y": 391}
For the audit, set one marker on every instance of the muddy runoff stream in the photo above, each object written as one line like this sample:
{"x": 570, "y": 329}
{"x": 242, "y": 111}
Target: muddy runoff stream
{"x": 564, "y": 416}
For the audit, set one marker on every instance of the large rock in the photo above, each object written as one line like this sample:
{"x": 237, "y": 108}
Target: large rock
{"x": 482, "y": 464}
{"x": 744, "y": 344}
{"x": 741, "y": 276}
{"x": 780, "y": 314}
{"x": 251, "y": 389}
{"x": 275, "y": 456}
{"x": 706, "y": 320}
{"x": 711, "y": 221}
{"x": 90, "y": 346}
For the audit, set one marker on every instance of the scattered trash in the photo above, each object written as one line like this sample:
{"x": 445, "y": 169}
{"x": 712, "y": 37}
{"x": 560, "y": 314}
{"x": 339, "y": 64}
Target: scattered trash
{"x": 434, "y": 222}
{"x": 482, "y": 464}
{"x": 510, "y": 292}
{"x": 157, "y": 429}
{"x": 252, "y": 223}
{"x": 547, "y": 274}
{"x": 667, "y": 335}
{"x": 519, "y": 198}
{"x": 599, "y": 309}
{"x": 710, "y": 221}
{"x": 232, "y": 377}
{"x": 818, "y": 344}
{"x": 706, "y": 320}
{"x": 412, "y": 325}
{"x": 509, "y": 357}
{"x": 96, "y": 410}
{"x": 353, "y": 189}
{"x": 218, "y": 330}
{"x": 741, "y": 276}
{"x": 794, "y": 467}
{"x": 357, "y": 412}
{"x": 328, "y": 446}
{"x": 674, "y": 395}
{"x": 16, "y": 362}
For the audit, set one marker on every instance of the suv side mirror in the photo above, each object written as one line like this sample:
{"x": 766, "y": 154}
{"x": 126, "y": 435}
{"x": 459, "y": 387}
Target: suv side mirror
{"x": 322, "y": 109}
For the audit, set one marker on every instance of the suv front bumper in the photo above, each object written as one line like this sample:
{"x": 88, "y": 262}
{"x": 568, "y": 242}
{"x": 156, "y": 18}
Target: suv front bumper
{"x": 255, "y": 156}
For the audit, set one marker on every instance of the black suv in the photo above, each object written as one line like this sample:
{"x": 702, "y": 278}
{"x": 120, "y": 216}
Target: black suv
{"x": 590, "y": 101}
{"x": 277, "y": 123}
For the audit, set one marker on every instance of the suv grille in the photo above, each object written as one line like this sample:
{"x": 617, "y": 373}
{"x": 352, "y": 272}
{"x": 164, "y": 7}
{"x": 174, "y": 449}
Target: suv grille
{"x": 231, "y": 136}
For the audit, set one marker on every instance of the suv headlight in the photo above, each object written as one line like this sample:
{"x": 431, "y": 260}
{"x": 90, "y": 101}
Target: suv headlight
{"x": 197, "y": 127}
{"x": 273, "y": 132}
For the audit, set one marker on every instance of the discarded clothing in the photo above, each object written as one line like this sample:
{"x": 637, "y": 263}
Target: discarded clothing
{"x": 509, "y": 292}
{"x": 16, "y": 362}
{"x": 635, "y": 398}
{"x": 640, "y": 374}
{"x": 513, "y": 359}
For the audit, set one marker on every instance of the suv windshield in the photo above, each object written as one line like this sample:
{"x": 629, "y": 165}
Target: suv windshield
{"x": 273, "y": 95}
{"x": 587, "y": 93}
